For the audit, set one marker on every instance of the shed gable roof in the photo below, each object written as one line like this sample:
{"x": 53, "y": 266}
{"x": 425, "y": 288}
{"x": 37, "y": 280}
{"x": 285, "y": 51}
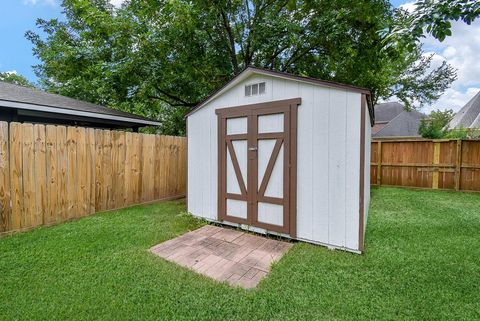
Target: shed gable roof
{"x": 247, "y": 72}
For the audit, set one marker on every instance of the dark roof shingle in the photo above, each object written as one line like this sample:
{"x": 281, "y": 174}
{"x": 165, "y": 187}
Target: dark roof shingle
{"x": 469, "y": 115}
{"x": 385, "y": 112}
{"x": 20, "y": 94}
{"x": 396, "y": 121}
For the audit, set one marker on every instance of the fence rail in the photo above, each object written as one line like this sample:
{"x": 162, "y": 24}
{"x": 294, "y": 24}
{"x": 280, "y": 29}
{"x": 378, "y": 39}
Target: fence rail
{"x": 50, "y": 174}
{"x": 436, "y": 164}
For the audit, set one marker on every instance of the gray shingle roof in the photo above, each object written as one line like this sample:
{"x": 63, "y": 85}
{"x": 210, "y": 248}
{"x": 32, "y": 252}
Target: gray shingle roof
{"x": 400, "y": 123}
{"x": 19, "y": 94}
{"x": 469, "y": 115}
{"x": 385, "y": 112}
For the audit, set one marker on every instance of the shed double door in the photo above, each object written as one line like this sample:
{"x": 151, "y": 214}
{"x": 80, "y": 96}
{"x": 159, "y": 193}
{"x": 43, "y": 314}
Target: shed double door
{"x": 257, "y": 165}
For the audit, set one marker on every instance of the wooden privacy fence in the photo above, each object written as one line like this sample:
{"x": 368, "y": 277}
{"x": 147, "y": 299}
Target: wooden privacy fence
{"x": 50, "y": 174}
{"x": 436, "y": 164}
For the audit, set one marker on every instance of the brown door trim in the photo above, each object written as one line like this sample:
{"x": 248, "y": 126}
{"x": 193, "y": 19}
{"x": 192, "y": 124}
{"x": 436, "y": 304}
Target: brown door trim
{"x": 222, "y": 169}
{"x": 239, "y": 111}
{"x": 252, "y": 193}
{"x": 252, "y": 168}
{"x": 293, "y": 168}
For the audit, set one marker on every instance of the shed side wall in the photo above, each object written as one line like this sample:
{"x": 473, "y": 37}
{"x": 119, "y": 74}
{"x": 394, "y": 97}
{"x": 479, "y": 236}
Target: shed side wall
{"x": 328, "y": 164}
{"x": 368, "y": 145}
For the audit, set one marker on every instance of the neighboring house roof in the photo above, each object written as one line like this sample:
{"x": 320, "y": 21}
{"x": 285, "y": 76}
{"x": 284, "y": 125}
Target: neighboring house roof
{"x": 35, "y": 101}
{"x": 469, "y": 115}
{"x": 392, "y": 120}
{"x": 247, "y": 72}
{"x": 377, "y": 127}
{"x": 385, "y": 112}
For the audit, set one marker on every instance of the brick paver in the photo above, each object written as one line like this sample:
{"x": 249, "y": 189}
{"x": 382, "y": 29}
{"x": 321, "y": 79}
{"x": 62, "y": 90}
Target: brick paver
{"x": 224, "y": 254}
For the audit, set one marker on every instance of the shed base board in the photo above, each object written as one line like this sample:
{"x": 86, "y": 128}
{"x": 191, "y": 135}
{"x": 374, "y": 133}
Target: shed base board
{"x": 267, "y": 232}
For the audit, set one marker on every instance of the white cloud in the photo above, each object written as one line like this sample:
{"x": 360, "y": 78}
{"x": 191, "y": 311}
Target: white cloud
{"x": 454, "y": 99}
{"x": 44, "y": 2}
{"x": 408, "y": 6}
{"x": 462, "y": 51}
{"x": 117, "y": 3}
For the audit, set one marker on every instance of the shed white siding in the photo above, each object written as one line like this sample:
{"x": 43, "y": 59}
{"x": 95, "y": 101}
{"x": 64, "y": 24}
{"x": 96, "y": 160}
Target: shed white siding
{"x": 328, "y": 164}
{"x": 368, "y": 145}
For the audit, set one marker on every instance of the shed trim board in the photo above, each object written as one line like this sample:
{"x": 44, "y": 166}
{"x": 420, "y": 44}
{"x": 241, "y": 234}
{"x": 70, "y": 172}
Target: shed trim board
{"x": 361, "y": 229}
{"x": 328, "y": 193}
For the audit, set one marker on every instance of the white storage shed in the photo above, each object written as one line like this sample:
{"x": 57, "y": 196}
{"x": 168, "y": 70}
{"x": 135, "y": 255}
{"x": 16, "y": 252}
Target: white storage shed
{"x": 281, "y": 154}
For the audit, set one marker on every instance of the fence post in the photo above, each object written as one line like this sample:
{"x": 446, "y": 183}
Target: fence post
{"x": 436, "y": 161}
{"x": 458, "y": 165}
{"x": 379, "y": 163}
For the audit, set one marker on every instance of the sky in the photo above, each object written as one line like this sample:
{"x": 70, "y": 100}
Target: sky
{"x": 461, "y": 50}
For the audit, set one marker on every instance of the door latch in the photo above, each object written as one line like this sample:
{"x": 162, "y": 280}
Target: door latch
{"x": 253, "y": 149}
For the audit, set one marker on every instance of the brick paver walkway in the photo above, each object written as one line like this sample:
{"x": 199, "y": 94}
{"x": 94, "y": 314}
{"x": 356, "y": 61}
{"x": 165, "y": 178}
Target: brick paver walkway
{"x": 224, "y": 254}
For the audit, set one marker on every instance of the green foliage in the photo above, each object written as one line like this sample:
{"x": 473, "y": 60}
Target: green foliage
{"x": 435, "y": 125}
{"x": 160, "y": 58}
{"x": 421, "y": 263}
{"x": 463, "y": 133}
{"x": 416, "y": 82}
{"x": 432, "y": 17}
{"x": 16, "y": 79}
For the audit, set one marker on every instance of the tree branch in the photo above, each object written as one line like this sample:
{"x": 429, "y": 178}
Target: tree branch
{"x": 173, "y": 100}
{"x": 296, "y": 56}
{"x": 170, "y": 102}
{"x": 275, "y": 55}
{"x": 231, "y": 39}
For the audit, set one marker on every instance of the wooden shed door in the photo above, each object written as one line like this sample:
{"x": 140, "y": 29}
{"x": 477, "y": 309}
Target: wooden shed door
{"x": 257, "y": 165}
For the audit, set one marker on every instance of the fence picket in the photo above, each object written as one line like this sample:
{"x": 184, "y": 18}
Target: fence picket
{"x": 16, "y": 174}
{"x": 128, "y": 190}
{"x": 157, "y": 170}
{"x": 98, "y": 171}
{"x": 5, "y": 209}
{"x": 28, "y": 219}
{"x": 137, "y": 168}
{"x": 49, "y": 174}
{"x": 422, "y": 163}
{"x": 91, "y": 169}
{"x": 40, "y": 188}
{"x": 52, "y": 168}
{"x": 107, "y": 169}
{"x": 62, "y": 173}
{"x": 82, "y": 188}
{"x": 72, "y": 173}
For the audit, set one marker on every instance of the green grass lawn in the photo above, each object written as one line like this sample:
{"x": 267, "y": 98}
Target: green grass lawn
{"x": 422, "y": 261}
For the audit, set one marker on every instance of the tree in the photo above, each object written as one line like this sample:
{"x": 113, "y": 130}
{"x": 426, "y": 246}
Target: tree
{"x": 435, "y": 125}
{"x": 14, "y": 78}
{"x": 431, "y": 17}
{"x": 160, "y": 58}
{"x": 463, "y": 133}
